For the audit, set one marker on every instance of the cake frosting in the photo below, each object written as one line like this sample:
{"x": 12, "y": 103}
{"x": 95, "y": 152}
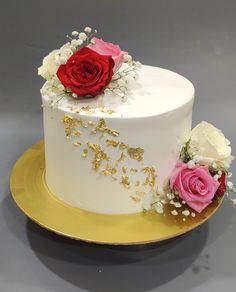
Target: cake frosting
{"x": 149, "y": 127}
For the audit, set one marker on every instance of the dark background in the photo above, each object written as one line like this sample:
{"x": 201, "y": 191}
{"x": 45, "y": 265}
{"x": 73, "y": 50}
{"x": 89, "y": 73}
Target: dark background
{"x": 196, "y": 38}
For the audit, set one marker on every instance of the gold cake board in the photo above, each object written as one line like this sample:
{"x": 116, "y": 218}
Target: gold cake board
{"x": 32, "y": 196}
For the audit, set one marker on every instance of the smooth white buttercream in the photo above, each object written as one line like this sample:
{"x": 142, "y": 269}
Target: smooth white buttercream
{"x": 156, "y": 116}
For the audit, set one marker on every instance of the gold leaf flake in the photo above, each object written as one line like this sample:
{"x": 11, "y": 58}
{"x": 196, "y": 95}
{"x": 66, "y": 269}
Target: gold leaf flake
{"x": 135, "y": 199}
{"x": 88, "y": 110}
{"x": 125, "y": 181}
{"x": 102, "y": 127}
{"x": 77, "y": 134}
{"x": 112, "y": 142}
{"x": 140, "y": 193}
{"x": 136, "y": 153}
{"x": 109, "y": 170}
{"x": 106, "y": 110}
{"x": 99, "y": 156}
{"x": 151, "y": 176}
{"x": 124, "y": 169}
{"x": 70, "y": 123}
{"x": 133, "y": 169}
{"x": 123, "y": 145}
{"x": 85, "y": 153}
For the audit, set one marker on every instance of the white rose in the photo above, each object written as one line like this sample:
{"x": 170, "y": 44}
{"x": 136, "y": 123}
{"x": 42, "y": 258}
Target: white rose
{"x": 209, "y": 146}
{"x": 53, "y": 60}
{"x": 49, "y": 66}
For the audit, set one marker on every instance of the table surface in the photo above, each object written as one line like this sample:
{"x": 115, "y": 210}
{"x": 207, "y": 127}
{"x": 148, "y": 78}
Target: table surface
{"x": 197, "y": 41}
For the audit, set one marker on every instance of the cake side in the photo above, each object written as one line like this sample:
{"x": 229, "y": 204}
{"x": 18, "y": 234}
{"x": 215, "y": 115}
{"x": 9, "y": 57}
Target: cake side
{"x": 121, "y": 184}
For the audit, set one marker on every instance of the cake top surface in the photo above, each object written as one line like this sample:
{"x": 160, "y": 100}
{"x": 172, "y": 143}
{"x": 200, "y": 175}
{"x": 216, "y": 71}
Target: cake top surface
{"x": 157, "y": 91}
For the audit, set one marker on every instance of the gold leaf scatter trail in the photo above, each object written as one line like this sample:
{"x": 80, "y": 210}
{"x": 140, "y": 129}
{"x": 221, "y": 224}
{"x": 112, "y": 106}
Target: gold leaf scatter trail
{"x": 136, "y": 153}
{"x": 99, "y": 156}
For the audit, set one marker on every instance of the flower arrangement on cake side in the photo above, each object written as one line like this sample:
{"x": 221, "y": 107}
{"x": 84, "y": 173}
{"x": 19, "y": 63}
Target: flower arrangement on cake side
{"x": 200, "y": 175}
{"x": 87, "y": 66}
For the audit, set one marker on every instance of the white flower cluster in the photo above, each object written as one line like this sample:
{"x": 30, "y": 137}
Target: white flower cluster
{"x": 119, "y": 83}
{"x": 208, "y": 146}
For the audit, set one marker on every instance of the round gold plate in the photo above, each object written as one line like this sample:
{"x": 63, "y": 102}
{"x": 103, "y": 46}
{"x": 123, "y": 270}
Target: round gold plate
{"x": 35, "y": 200}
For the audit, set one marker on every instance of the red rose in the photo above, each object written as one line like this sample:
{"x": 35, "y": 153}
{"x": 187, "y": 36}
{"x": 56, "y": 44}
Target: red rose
{"x": 222, "y": 188}
{"x": 86, "y": 72}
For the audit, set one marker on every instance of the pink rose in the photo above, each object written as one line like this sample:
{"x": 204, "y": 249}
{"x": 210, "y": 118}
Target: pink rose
{"x": 195, "y": 185}
{"x": 106, "y": 48}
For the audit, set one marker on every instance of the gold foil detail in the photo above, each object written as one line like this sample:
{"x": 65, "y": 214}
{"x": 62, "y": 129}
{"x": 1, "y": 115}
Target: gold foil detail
{"x": 102, "y": 127}
{"x": 106, "y": 110}
{"x": 124, "y": 169}
{"x": 85, "y": 153}
{"x": 88, "y": 110}
{"x": 133, "y": 169}
{"x": 77, "y": 134}
{"x": 125, "y": 181}
{"x": 140, "y": 193}
{"x": 136, "y": 153}
{"x": 135, "y": 199}
{"x": 109, "y": 170}
{"x": 112, "y": 142}
{"x": 123, "y": 146}
{"x": 151, "y": 176}
{"x": 70, "y": 124}
{"x": 99, "y": 156}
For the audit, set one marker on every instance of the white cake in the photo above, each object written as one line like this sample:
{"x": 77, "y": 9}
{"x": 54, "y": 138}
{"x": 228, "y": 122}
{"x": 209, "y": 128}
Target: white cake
{"x": 153, "y": 123}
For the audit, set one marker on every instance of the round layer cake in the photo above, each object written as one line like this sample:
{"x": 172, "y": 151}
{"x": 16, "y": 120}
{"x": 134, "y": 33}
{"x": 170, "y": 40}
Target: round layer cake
{"x": 106, "y": 154}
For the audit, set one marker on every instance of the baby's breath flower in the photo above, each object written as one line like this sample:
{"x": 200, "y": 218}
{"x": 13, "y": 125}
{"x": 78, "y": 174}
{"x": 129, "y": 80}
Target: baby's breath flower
{"x": 82, "y": 36}
{"x": 60, "y": 87}
{"x": 174, "y": 212}
{"x": 74, "y": 95}
{"x": 127, "y": 58}
{"x": 159, "y": 208}
{"x": 230, "y": 185}
{"x": 186, "y": 212}
{"x": 74, "y": 33}
{"x": 88, "y": 29}
{"x": 216, "y": 177}
{"x": 191, "y": 164}
{"x": 229, "y": 174}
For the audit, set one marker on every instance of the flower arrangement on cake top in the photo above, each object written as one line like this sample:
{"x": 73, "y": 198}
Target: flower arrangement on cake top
{"x": 200, "y": 175}
{"x": 87, "y": 66}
